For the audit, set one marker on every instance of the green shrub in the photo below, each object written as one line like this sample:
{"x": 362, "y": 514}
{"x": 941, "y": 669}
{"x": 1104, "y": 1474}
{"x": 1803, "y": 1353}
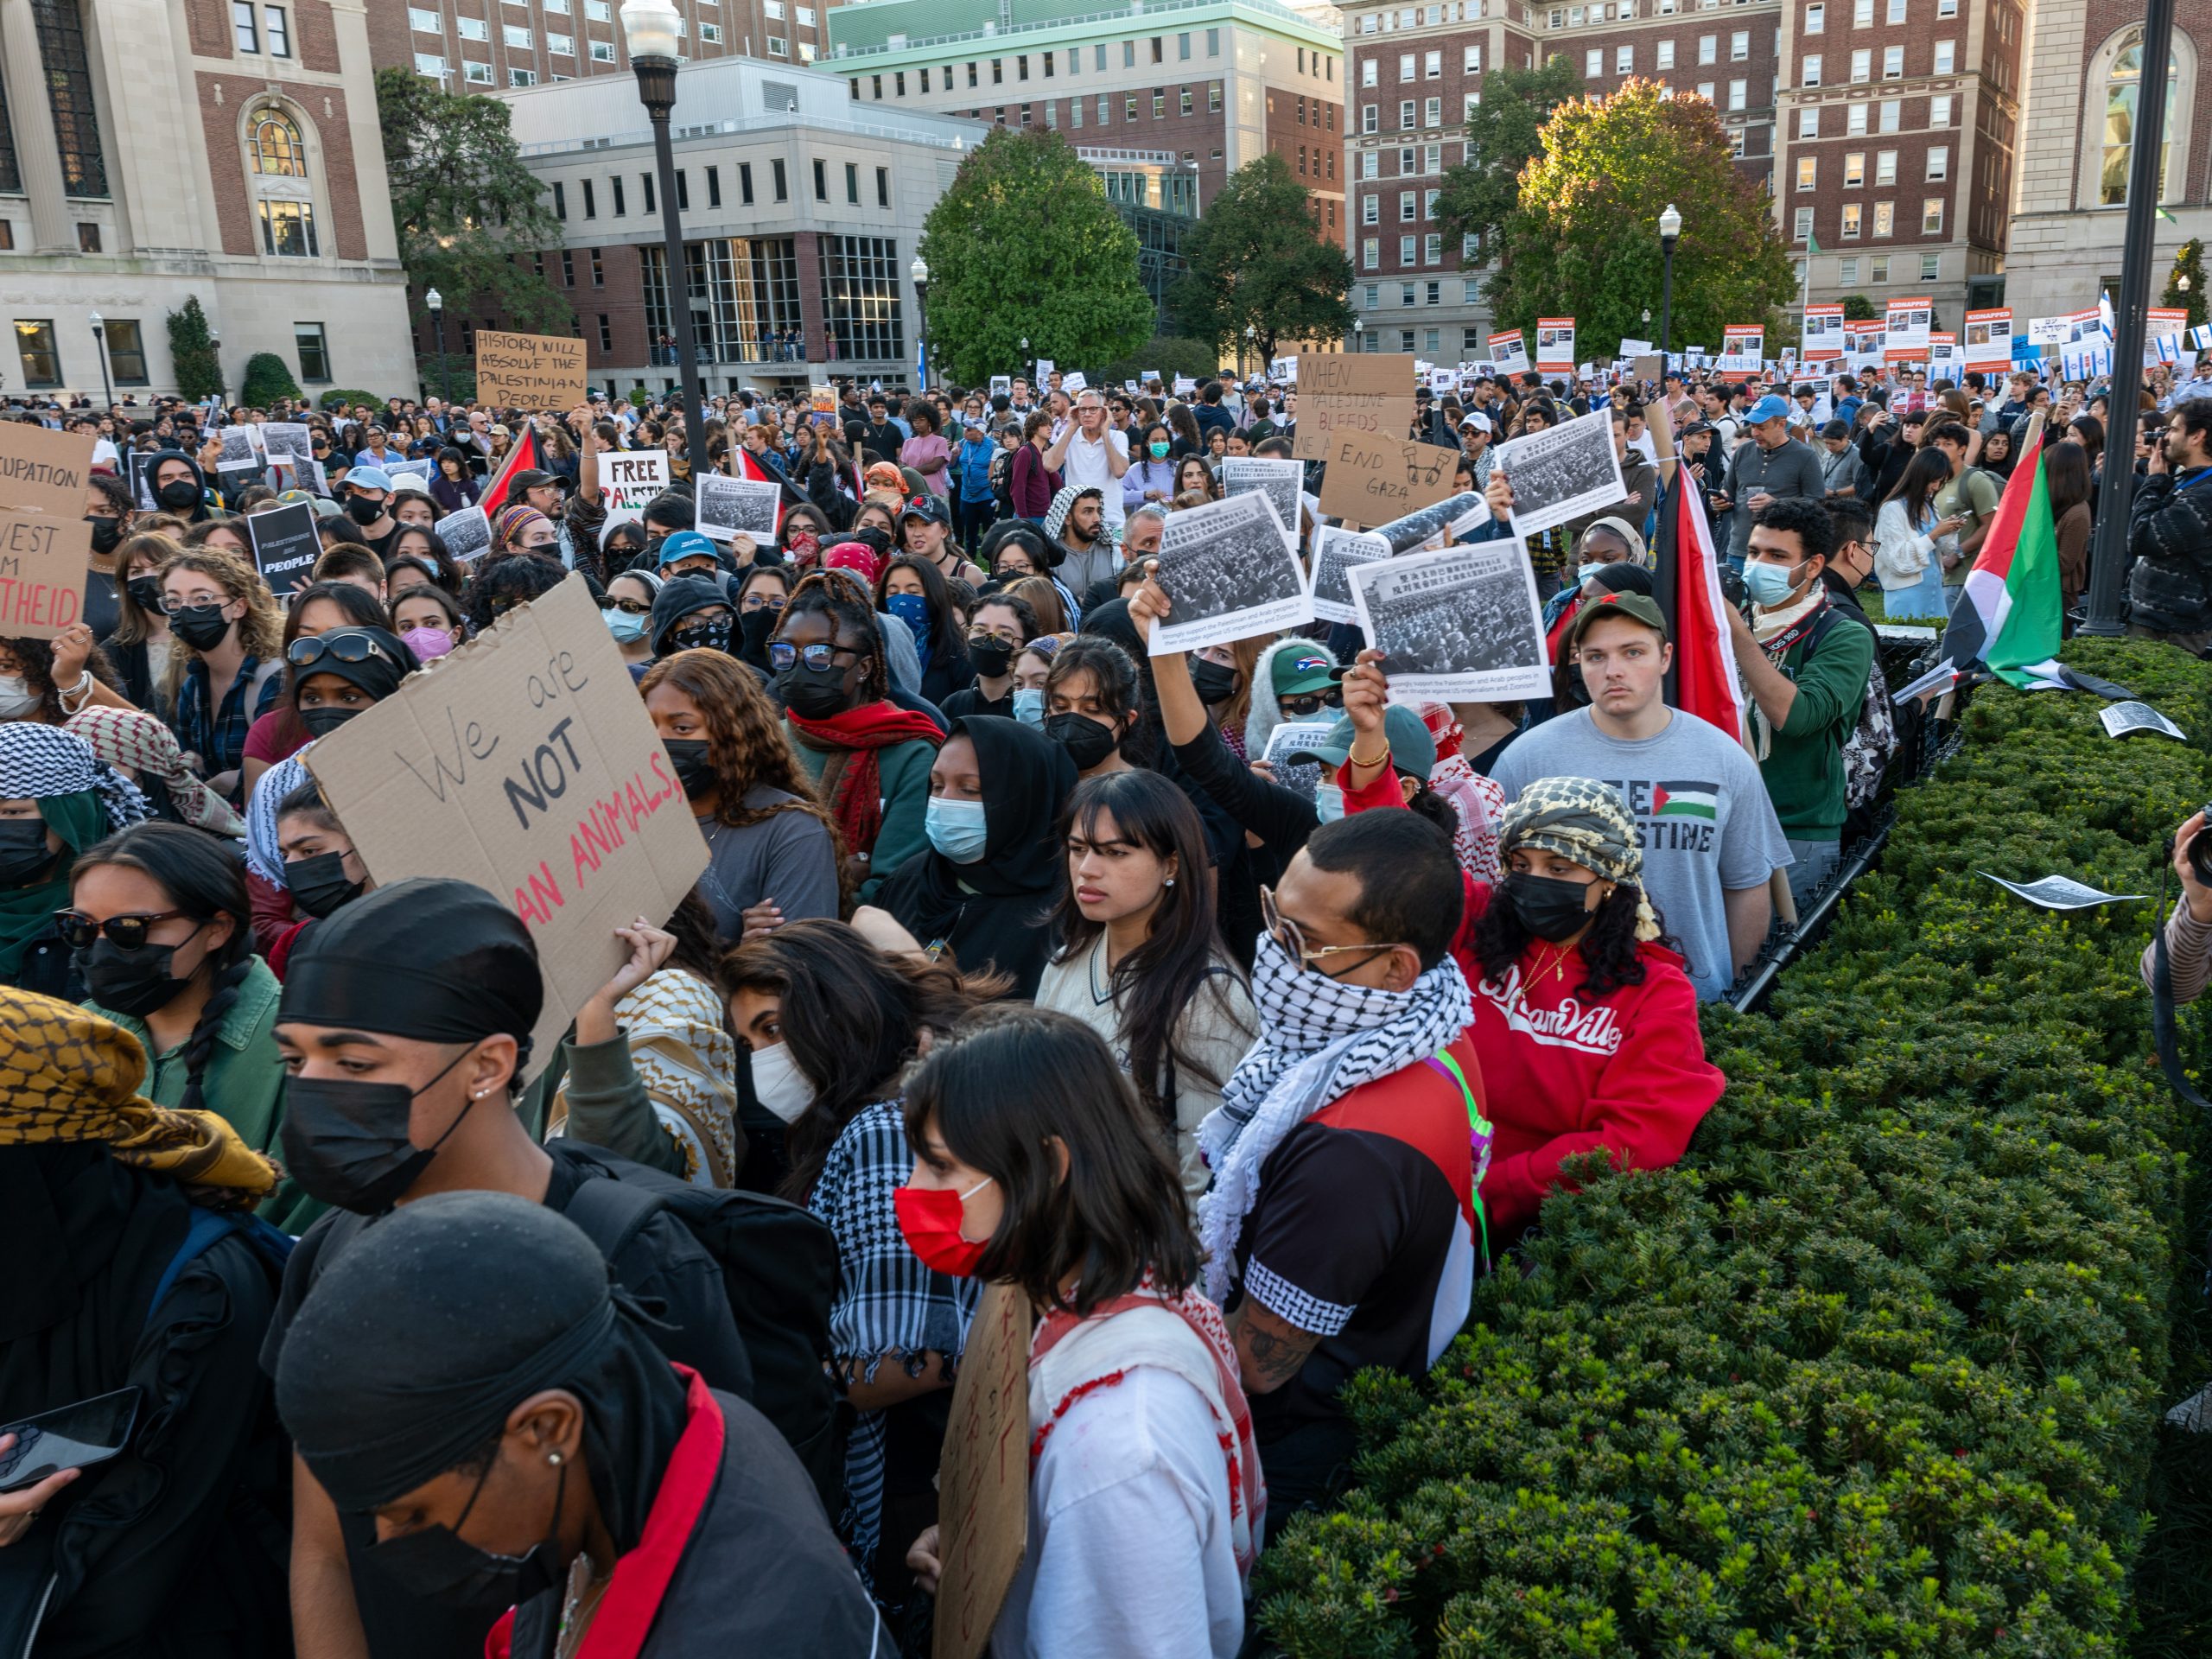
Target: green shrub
{"x": 266, "y": 380}
{"x": 347, "y": 397}
{"x": 1876, "y": 1370}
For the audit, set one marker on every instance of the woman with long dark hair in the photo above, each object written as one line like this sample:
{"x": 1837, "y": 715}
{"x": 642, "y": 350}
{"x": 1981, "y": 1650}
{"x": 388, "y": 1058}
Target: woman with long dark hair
{"x": 452, "y": 488}
{"x": 910, "y": 591}
{"x": 830, "y": 1025}
{"x": 772, "y": 851}
{"x": 1193, "y": 475}
{"x": 1139, "y": 959}
{"x": 1151, "y": 476}
{"x": 57, "y": 799}
{"x": 1034, "y": 1169}
{"x": 159, "y": 917}
{"x": 1907, "y": 535}
{"x": 418, "y": 553}
{"x": 2066, "y": 476}
{"x": 140, "y": 643}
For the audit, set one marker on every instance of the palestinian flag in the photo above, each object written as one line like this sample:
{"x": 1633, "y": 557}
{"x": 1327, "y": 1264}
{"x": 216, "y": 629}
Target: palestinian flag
{"x": 1703, "y": 681}
{"x": 748, "y": 466}
{"x": 522, "y": 458}
{"x": 1685, "y": 800}
{"x": 2008, "y": 615}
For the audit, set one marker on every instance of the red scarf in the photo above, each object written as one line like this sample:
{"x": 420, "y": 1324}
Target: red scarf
{"x": 856, "y": 798}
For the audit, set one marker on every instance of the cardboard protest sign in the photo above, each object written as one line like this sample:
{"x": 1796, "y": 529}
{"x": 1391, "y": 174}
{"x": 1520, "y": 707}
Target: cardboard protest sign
{"x": 1555, "y": 344}
{"x": 529, "y": 370}
{"x": 729, "y": 507}
{"x": 525, "y": 763}
{"x": 1373, "y": 480}
{"x": 1906, "y": 328}
{"x": 285, "y": 547}
{"x": 43, "y": 471}
{"x": 1352, "y": 394}
{"x": 1648, "y": 367}
{"x": 630, "y": 477}
{"x": 1989, "y": 339}
{"x": 983, "y": 1479}
{"x": 45, "y": 561}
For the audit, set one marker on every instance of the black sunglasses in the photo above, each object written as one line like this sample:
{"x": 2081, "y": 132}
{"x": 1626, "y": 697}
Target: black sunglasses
{"x": 627, "y": 607}
{"x": 128, "y": 932}
{"x": 345, "y": 646}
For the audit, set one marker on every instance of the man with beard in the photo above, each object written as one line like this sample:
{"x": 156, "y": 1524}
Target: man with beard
{"x": 1089, "y": 562}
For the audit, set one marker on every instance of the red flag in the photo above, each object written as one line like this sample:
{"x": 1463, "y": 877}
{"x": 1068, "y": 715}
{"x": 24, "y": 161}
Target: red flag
{"x": 523, "y": 458}
{"x": 1705, "y": 661}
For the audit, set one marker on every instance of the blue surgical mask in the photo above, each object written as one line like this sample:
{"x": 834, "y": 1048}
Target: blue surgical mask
{"x": 1329, "y": 802}
{"x": 1585, "y": 574}
{"x": 1768, "y": 584}
{"x": 913, "y": 610}
{"x": 626, "y": 626}
{"x": 956, "y": 828}
{"x": 1029, "y": 704}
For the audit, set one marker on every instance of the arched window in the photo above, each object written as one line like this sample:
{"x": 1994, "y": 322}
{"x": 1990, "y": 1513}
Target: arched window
{"x": 275, "y": 146}
{"x": 2122, "y": 87}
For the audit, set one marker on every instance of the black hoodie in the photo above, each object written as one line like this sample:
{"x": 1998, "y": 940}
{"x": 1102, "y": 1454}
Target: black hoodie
{"x": 152, "y": 464}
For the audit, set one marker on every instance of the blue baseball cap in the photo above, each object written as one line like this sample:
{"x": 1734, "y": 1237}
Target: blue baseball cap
{"x": 369, "y": 478}
{"x": 1769, "y": 408}
{"x": 686, "y": 545}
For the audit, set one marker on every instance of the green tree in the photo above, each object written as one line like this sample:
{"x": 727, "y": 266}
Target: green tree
{"x": 469, "y": 213}
{"x": 2188, "y": 263}
{"x": 193, "y": 358}
{"x": 267, "y": 379}
{"x": 1504, "y": 134}
{"x": 1857, "y": 308}
{"x": 1167, "y": 356}
{"x": 1025, "y": 244}
{"x": 1258, "y": 260}
{"x": 1583, "y": 239}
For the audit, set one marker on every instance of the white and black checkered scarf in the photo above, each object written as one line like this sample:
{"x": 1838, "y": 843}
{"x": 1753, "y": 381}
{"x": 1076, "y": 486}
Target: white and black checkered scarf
{"x": 1319, "y": 1039}
{"x": 38, "y": 760}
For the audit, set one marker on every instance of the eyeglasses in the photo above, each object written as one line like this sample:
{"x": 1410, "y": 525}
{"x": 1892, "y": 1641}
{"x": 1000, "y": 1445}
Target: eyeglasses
{"x": 1285, "y": 933}
{"x": 128, "y": 932}
{"x": 345, "y": 646}
{"x": 1004, "y": 635}
{"x": 760, "y": 603}
{"x": 782, "y": 655}
{"x": 1312, "y": 705}
{"x": 172, "y": 603}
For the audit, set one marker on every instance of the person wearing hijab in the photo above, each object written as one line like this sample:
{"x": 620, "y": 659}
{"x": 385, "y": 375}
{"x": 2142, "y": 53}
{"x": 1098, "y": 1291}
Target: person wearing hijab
{"x": 57, "y": 798}
{"x": 1605, "y": 544}
{"x": 990, "y": 877}
{"x": 405, "y": 1067}
{"x": 105, "y": 1198}
{"x": 626, "y": 1508}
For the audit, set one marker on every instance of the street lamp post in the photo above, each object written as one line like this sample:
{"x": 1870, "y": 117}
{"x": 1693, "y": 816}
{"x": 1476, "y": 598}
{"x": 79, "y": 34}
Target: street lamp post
{"x": 1670, "y": 232}
{"x": 215, "y": 345}
{"x": 99, "y": 350}
{"x": 649, "y": 29}
{"x": 919, "y": 271}
{"x": 1251, "y": 334}
{"x": 1032, "y": 367}
{"x": 1359, "y": 333}
{"x": 434, "y": 302}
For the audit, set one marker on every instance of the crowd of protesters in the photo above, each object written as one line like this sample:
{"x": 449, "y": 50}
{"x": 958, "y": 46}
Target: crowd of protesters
{"x": 1014, "y": 962}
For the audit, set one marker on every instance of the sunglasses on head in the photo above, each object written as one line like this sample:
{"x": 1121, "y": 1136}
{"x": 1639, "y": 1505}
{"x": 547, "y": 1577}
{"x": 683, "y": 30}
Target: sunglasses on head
{"x": 127, "y": 932}
{"x": 343, "y": 647}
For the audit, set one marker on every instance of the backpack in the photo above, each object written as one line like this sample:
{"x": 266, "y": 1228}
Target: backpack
{"x": 779, "y": 1270}
{"x": 1873, "y": 742}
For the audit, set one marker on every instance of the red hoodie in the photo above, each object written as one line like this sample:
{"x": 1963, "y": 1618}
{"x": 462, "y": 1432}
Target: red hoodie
{"x": 1564, "y": 1074}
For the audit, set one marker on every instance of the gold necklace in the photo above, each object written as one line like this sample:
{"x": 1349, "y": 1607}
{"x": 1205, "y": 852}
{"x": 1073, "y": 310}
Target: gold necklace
{"x": 1558, "y": 966}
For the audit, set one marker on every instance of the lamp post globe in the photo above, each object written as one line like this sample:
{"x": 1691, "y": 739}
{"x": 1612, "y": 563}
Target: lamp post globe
{"x": 1670, "y": 232}
{"x": 650, "y": 30}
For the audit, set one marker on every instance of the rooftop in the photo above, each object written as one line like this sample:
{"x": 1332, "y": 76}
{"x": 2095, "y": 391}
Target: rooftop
{"x": 867, "y": 28}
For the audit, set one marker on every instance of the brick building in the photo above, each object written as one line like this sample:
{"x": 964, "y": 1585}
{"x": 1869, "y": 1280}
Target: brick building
{"x": 490, "y": 44}
{"x": 2083, "y": 70}
{"x": 151, "y": 152}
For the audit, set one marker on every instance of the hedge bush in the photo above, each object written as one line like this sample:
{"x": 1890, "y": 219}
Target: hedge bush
{"x": 267, "y": 379}
{"x": 1878, "y": 1369}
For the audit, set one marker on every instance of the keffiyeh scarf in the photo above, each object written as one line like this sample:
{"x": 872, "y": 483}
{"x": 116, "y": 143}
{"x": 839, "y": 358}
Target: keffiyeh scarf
{"x": 263, "y": 855}
{"x": 40, "y": 761}
{"x": 1585, "y": 820}
{"x": 128, "y": 737}
{"x": 1319, "y": 1039}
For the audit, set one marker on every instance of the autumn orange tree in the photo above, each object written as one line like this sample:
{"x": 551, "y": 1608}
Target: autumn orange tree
{"x": 1583, "y": 240}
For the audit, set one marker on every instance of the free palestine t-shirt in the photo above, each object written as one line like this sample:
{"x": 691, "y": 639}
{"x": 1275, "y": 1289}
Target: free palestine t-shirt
{"x": 1700, "y": 807}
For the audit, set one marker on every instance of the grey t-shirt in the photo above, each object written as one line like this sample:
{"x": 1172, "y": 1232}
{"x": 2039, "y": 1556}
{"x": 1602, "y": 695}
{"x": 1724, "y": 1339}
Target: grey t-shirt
{"x": 1700, "y": 807}
{"x": 788, "y": 857}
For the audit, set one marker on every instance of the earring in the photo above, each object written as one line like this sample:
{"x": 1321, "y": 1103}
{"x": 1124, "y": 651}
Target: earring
{"x": 553, "y": 1457}
{"x": 1171, "y": 880}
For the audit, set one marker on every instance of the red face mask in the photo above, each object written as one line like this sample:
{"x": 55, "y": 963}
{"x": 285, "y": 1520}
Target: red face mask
{"x": 930, "y": 1218}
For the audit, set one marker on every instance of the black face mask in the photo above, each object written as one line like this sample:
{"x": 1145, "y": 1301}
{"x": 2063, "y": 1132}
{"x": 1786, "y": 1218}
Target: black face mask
{"x": 701, "y": 636}
{"x": 757, "y": 625}
{"x": 992, "y": 658}
{"x": 24, "y": 856}
{"x": 320, "y": 885}
{"x": 362, "y": 510}
{"x": 1213, "y": 682}
{"x": 130, "y": 981}
{"x": 327, "y": 719}
{"x": 435, "y": 1564}
{"x": 179, "y": 495}
{"x": 813, "y": 693}
{"x": 200, "y": 626}
{"x": 693, "y": 769}
{"x": 145, "y": 591}
{"x": 107, "y": 533}
{"x": 1549, "y": 908}
{"x": 347, "y": 1141}
{"x": 1086, "y": 741}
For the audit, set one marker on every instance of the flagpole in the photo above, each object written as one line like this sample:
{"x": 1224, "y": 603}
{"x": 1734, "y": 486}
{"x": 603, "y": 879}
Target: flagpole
{"x": 2108, "y": 554}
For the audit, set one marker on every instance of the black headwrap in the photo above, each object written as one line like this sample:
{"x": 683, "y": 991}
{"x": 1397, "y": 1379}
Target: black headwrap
{"x": 418, "y": 1340}
{"x": 366, "y": 967}
{"x": 378, "y": 674}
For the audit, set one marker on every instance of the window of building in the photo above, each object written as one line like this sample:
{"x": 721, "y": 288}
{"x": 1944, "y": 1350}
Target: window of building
{"x": 1809, "y": 169}
{"x": 1878, "y": 269}
{"x": 599, "y": 11}
{"x": 1885, "y": 167}
{"x": 1854, "y": 119}
{"x": 620, "y": 206}
{"x": 1405, "y": 340}
{"x": 1366, "y": 72}
{"x": 602, "y": 51}
{"x": 1885, "y": 219}
{"x": 288, "y": 229}
{"x": 430, "y": 64}
{"x": 1183, "y": 105}
{"x": 276, "y": 31}
{"x": 1432, "y": 65}
{"x": 598, "y": 270}
{"x": 480, "y": 74}
{"x": 1931, "y": 267}
{"x": 1708, "y": 48}
{"x": 473, "y": 28}
{"x": 564, "y": 45}
{"x": 1406, "y": 213}
{"x": 605, "y": 333}
{"x": 1408, "y": 249}
{"x": 1808, "y": 122}
{"x": 1368, "y": 118}
{"x": 1862, "y": 13}
{"x": 1811, "y": 74}
{"x": 591, "y": 206}
{"x": 68, "y": 82}
{"x": 1213, "y": 103}
{"x": 1432, "y": 253}
{"x": 425, "y": 21}
{"x": 1213, "y": 46}
{"x": 779, "y": 178}
{"x": 1406, "y": 116}
{"x": 1862, "y": 65}
{"x": 1854, "y": 168}
{"x": 276, "y": 147}
{"x": 1432, "y": 113}
{"x": 713, "y": 187}
{"x": 1666, "y": 51}
{"x": 1896, "y": 10}
{"x": 126, "y": 351}
{"x": 1939, "y": 162}
{"x": 1706, "y": 90}
{"x": 560, "y": 200}
{"x": 710, "y": 33}
{"x": 312, "y": 350}
{"x": 745, "y": 183}
{"x": 1854, "y": 215}
{"x": 88, "y": 237}
{"x": 1816, "y": 20}
{"x": 37, "y": 352}
{"x": 862, "y": 296}
{"x": 883, "y": 186}
{"x": 1931, "y": 216}
{"x": 1804, "y": 226}
{"x": 522, "y": 77}
{"x": 1739, "y": 46}
{"x": 517, "y": 37}
{"x": 1371, "y": 254}
{"x": 1893, "y": 63}
{"x": 820, "y": 181}
{"x": 779, "y": 47}
{"x": 1623, "y": 59}
{"x": 1370, "y": 164}
{"x": 1158, "y": 49}
{"x": 1183, "y": 50}
{"x": 1951, "y": 8}
{"x": 2123, "y": 87}
{"x": 1846, "y": 271}
{"x": 1472, "y": 60}
{"x": 645, "y": 184}
{"x": 246, "y": 23}
{"x": 1893, "y": 112}
{"x": 1370, "y": 211}
{"x": 1939, "y": 110}
{"x": 1945, "y": 56}
{"x": 1738, "y": 93}
{"x": 1593, "y": 62}
{"x": 1405, "y": 67}
{"x": 568, "y": 268}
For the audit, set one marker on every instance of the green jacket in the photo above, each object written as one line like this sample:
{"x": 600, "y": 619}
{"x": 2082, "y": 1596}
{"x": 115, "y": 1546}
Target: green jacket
{"x": 904, "y": 770}
{"x": 1803, "y": 769}
{"x": 244, "y": 1085}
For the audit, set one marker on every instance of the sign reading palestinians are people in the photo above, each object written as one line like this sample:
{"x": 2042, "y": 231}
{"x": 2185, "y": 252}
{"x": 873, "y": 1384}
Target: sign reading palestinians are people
{"x": 525, "y": 763}
{"x": 532, "y": 372}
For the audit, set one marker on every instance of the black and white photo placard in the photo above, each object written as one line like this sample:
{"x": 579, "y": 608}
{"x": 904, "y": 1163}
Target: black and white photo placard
{"x": 466, "y": 534}
{"x": 1281, "y": 480}
{"x": 1229, "y": 574}
{"x": 1460, "y": 623}
{"x": 285, "y": 546}
{"x": 1336, "y": 550}
{"x": 1562, "y": 473}
{"x": 2123, "y": 718}
{"x": 737, "y": 506}
{"x": 241, "y": 448}
{"x": 2063, "y": 892}
{"x": 289, "y": 441}
{"x": 1301, "y": 777}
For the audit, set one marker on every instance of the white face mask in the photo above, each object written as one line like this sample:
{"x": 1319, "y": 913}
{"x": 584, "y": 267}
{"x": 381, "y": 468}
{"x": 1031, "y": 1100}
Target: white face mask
{"x": 1329, "y": 802}
{"x": 16, "y": 698}
{"x": 778, "y": 1085}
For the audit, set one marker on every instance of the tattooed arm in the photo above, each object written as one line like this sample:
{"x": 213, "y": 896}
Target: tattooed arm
{"x": 1269, "y": 1350}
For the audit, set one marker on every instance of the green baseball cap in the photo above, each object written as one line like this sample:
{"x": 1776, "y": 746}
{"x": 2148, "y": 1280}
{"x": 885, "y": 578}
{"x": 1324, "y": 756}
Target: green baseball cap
{"x": 1638, "y": 607}
{"x": 1412, "y": 749}
{"x": 1302, "y": 671}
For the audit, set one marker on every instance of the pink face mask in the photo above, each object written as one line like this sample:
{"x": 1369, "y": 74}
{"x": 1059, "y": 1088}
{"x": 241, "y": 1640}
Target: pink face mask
{"x": 428, "y": 643}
